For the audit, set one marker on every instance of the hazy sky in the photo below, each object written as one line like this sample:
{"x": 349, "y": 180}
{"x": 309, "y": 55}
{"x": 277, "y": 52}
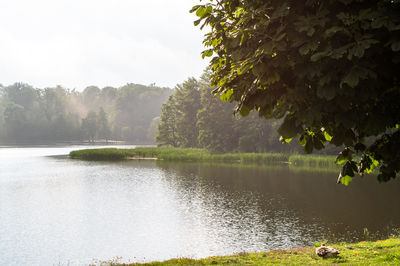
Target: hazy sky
{"x": 77, "y": 43}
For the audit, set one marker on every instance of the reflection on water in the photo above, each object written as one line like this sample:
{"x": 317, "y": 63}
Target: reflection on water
{"x": 55, "y": 210}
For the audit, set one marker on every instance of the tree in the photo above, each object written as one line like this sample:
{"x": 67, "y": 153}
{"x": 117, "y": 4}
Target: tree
{"x": 14, "y": 122}
{"x": 167, "y": 128}
{"x": 90, "y": 126}
{"x": 104, "y": 129}
{"x": 328, "y": 68}
{"x": 178, "y": 120}
{"x": 152, "y": 129}
{"x": 216, "y": 122}
{"x": 187, "y": 97}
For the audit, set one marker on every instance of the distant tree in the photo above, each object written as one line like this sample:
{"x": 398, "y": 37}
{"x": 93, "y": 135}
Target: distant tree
{"x": 152, "y": 129}
{"x": 135, "y": 107}
{"x": 167, "y": 131}
{"x": 14, "y": 122}
{"x": 55, "y": 102}
{"x": 91, "y": 96}
{"x": 90, "y": 126}
{"x": 2, "y": 107}
{"x": 23, "y": 95}
{"x": 104, "y": 129}
{"x": 216, "y": 122}
{"x": 330, "y": 69}
{"x": 187, "y": 100}
{"x": 55, "y": 114}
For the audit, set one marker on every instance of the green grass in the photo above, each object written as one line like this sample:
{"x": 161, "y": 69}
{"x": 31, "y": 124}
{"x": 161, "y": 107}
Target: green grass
{"x": 381, "y": 252}
{"x": 312, "y": 160}
{"x": 176, "y": 154}
{"x": 202, "y": 155}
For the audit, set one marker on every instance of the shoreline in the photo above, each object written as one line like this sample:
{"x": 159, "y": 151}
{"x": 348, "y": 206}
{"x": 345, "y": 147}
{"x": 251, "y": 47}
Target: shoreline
{"x": 362, "y": 253}
{"x": 202, "y": 155}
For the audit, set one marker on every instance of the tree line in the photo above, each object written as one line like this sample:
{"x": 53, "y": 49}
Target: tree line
{"x": 193, "y": 117}
{"x": 30, "y": 115}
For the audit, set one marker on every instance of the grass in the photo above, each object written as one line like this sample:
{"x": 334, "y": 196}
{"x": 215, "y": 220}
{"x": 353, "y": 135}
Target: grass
{"x": 313, "y": 160}
{"x": 176, "y": 154}
{"x": 202, "y": 155}
{"x": 381, "y": 252}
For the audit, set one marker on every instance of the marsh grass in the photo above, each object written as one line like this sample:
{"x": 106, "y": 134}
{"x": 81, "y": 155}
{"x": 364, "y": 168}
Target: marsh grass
{"x": 176, "y": 154}
{"x": 312, "y": 160}
{"x": 202, "y": 155}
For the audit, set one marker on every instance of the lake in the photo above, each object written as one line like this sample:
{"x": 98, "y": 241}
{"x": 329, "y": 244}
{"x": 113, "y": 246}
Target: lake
{"x": 54, "y": 210}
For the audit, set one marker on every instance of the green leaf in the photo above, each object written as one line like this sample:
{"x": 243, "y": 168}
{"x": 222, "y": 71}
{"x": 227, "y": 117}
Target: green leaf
{"x": 203, "y": 11}
{"x": 244, "y": 110}
{"x": 226, "y": 96}
{"x": 283, "y": 140}
{"x": 345, "y": 180}
{"x": 244, "y": 68}
{"x": 395, "y": 46}
{"x": 331, "y": 31}
{"x": 288, "y": 128}
{"x": 327, "y": 136}
{"x": 207, "y": 53}
{"x": 194, "y": 8}
{"x": 325, "y": 92}
{"x": 345, "y": 155}
{"x": 268, "y": 47}
{"x": 302, "y": 140}
{"x": 351, "y": 79}
{"x": 317, "y": 56}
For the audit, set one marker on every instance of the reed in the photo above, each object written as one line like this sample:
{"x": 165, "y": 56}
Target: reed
{"x": 202, "y": 155}
{"x": 176, "y": 154}
{"x": 312, "y": 160}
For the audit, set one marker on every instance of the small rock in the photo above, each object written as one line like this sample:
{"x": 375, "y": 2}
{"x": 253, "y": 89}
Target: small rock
{"x": 326, "y": 252}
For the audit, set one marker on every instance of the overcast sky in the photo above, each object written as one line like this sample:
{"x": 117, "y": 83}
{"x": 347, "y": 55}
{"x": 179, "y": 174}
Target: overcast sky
{"x": 77, "y": 43}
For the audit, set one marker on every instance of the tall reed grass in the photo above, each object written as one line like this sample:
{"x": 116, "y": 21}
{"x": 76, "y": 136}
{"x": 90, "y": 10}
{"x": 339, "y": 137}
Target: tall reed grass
{"x": 194, "y": 155}
{"x": 312, "y": 160}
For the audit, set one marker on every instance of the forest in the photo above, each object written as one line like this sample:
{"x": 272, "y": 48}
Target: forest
{"x": 59, "y": 115}
{"x": 189, "y": 115}
{"x": 194, "y": 117}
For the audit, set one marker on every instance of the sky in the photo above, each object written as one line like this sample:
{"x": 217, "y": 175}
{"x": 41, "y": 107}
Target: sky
{"x": 79, "y": 43}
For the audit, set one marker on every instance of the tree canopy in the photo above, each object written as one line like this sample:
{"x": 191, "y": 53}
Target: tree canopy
{"x": 30, "y": 115}
{"x": 194, "y": 117}
{"x": 330, "y": 69}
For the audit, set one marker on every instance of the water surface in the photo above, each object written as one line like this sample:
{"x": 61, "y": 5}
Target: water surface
{"x": 54, "y": 210}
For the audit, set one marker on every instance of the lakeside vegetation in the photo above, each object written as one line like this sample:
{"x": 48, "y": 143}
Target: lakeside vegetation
{"x": 362, "y": 253}
{"x": 202, "y": 155}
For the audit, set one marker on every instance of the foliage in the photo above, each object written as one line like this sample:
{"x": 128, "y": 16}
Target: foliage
{"x": 187, "y": 98}
{"x": 104, "y": 129}
{"x": 215, "y": 121}
{"x": 135, "y": 106}
{"x": 177, "y": 126}
{"x": 29, "y": 115}
{"x": 167, "y": 131}
{"x": 328, "y": 69}
{"x": 193, "y": 117}
{"x": 90, "y": 126}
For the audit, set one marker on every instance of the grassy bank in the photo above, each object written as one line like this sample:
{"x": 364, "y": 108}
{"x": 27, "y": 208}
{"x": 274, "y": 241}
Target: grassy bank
{"x": 384, "y": 252}
{"x": 176, "y": 154}
{"x": 313, "y": 160}
{"x": 202, "y": 155}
